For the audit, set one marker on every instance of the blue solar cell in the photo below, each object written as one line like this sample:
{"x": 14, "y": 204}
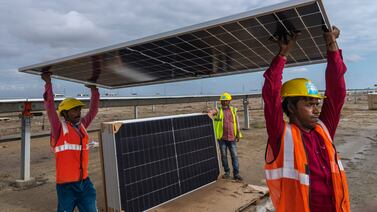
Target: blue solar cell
{"x": 164, "y": 158}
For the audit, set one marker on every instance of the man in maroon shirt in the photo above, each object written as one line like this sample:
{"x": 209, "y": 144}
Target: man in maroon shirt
{"x": 304, "y": 112}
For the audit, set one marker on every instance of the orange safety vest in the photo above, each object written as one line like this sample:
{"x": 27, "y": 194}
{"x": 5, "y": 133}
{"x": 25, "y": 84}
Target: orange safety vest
{"x": 71, "y": 157}
{"x": 288, "y": 178}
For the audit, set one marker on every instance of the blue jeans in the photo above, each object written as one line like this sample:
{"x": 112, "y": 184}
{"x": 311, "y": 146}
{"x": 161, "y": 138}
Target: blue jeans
{"x": 81, "y": 194}
{"x": 232, "y": 146}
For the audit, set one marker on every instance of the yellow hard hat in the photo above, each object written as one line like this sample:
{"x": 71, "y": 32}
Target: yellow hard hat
{"x": 225, "y": 96}
{"x": 300, "y": 87}
{"x": 69, "y": 103}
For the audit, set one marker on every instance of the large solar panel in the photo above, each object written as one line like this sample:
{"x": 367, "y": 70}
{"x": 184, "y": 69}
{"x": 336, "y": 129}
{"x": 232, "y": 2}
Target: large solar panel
{"x": 150, "y": 161}
{"x": 230, "y": 45}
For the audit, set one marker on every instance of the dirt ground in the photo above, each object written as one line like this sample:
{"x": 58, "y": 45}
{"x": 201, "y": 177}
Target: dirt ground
{"x": 356, "y": 140}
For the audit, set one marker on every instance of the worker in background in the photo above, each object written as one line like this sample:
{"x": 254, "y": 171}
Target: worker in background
{"x": 227, "y": 134}
{"x": 69, "y": 141}
{"x": 303, "y": 169}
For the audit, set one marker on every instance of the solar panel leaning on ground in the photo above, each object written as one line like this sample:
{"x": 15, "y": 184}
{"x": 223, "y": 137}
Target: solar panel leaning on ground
{"x": 234, "y": 44}
{"x": 150, "y": 161}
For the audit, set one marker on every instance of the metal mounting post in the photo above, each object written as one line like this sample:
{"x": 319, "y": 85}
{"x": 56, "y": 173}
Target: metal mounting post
{"x": 246, "y": 112}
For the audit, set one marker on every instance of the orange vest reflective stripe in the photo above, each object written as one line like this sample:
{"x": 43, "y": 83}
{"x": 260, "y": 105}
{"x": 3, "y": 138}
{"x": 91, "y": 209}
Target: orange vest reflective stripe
{"x": 71, "y": 154}
{"x": 288, "y": 175}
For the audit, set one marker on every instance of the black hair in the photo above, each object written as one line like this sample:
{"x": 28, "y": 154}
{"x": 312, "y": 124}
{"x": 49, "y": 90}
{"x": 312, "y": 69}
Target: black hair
{"x": 293, "y": 100}
{"x": 64, "y": 114}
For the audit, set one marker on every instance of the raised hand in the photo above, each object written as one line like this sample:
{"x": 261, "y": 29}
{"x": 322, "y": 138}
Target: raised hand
{"x": 212, "y": 113}
{"x": 285, "y": 44}
{"x": 330, "y": 38}
{"x": 46, "y": 76}
{"x": 90, "y": 86}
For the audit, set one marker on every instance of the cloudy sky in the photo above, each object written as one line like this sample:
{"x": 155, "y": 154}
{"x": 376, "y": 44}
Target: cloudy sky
{"x": 37, "y": 31}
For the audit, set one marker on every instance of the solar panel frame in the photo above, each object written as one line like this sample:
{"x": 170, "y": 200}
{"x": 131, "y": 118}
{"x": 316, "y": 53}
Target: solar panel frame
{"x": 132, "y": 162}
{"x": 213, "y": 48}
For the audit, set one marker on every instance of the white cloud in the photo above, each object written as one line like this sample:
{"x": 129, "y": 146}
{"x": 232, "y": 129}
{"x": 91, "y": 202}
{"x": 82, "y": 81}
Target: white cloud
{"x": 357, "y": 21}
{"x": 353, "y": 58}
{"x": 297, "y": 70}
{"x": 57, "y": 29}
{"x": 8, "y": 51}
{"x": 17, "y": 84}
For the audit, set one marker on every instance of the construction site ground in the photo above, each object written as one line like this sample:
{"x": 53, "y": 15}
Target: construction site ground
{"x": 356, "y": 140}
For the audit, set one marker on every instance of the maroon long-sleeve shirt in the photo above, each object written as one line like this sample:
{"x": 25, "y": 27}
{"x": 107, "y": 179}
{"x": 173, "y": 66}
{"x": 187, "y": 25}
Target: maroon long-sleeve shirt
{"x": 321, "y": 191}
{"x": 53, "y": 116}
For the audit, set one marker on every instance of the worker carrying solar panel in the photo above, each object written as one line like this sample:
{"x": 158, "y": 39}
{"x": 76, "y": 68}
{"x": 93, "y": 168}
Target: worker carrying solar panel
{"x": 303, "y": 169}
{"x": 227, "y": 133}
{"x": 69, "y": 140}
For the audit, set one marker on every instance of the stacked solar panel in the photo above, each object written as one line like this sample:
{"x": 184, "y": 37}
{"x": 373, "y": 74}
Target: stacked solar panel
{"x": 159, "y": 159}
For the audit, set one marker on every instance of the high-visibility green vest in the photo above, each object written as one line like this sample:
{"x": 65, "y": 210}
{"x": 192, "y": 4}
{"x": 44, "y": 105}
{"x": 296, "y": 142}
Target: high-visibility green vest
{"x": 218, "y": 122}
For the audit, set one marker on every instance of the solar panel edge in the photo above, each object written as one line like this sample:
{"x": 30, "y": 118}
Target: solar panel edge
{"x": 110, "y": 173}
{"x": 324, "y": 14}
{"x": 153, "y": 118}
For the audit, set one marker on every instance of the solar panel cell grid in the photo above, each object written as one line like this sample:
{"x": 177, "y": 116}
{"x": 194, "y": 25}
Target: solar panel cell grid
{"x": 161, "y": 159}
{"x": 234, "y": 45}
{"x": 308, "y": 9}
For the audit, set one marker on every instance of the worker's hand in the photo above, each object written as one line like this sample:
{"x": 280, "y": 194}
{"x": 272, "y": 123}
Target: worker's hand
{"x": 330, "y": 38}
{"x": 237, "y": 139}
{"x": 90, "y": 86}
{"x": 286, "y": 43}
{"x": 46, "y": 76}
{"x": 211, "y": 113}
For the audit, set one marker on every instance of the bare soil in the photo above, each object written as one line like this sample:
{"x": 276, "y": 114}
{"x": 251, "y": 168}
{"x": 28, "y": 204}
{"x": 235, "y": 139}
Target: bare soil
{"x": 356, "y": 140}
